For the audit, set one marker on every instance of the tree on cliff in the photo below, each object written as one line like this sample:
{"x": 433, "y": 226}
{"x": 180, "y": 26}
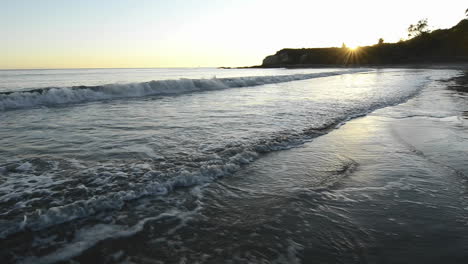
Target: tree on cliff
{"x": 420, "y": 28}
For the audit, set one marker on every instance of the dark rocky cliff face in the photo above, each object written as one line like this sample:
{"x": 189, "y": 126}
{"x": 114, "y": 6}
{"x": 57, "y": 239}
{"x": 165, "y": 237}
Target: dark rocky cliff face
{"x": 278, "y": 58}
{"x": 443, "y": 45}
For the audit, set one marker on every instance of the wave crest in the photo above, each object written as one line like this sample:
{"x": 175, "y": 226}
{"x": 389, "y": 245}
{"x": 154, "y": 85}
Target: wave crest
{"x": 78, "y": 94}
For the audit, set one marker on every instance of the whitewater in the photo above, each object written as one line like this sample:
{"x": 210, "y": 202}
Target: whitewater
{"x": 75, "y": 94}
{"x": 93, "y": 161}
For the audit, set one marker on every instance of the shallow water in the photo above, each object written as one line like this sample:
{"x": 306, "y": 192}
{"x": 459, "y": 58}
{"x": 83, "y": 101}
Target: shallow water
{"x": 246, "y": 169}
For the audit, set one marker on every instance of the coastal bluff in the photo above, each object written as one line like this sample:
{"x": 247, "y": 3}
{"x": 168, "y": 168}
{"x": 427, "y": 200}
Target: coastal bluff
{"x": 438, "y": 46}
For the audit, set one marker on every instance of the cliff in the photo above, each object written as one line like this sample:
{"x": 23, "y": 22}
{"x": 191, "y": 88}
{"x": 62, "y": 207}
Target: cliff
{"x": 439, "y": 46}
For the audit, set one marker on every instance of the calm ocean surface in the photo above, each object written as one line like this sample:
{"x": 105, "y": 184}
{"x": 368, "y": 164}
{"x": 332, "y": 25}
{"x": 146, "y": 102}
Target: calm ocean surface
{"x": 232, "y": 166}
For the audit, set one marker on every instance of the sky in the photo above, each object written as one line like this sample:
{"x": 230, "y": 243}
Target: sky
{"x": 204, "y": 33}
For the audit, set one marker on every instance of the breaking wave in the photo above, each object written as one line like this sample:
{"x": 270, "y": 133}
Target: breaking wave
{"x": 77, "y": 94}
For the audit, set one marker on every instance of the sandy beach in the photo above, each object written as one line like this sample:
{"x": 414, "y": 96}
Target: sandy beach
{"x": 124, "y": 141}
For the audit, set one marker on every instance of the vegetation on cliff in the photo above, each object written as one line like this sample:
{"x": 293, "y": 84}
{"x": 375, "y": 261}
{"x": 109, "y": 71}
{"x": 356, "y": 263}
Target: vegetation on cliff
{"x": 442, "y": 45}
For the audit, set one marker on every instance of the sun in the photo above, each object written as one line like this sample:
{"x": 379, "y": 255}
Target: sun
{"x": 353, "y": 55}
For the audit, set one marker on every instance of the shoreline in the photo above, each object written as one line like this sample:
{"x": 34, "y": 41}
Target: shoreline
{"x": 442, "y": 66}
{"x": 399, "y": 188}
{"x": 355, "y": 194}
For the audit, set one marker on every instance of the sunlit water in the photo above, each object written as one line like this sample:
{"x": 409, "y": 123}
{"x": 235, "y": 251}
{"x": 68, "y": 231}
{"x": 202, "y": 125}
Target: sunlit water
{"x": 211, "y": 165}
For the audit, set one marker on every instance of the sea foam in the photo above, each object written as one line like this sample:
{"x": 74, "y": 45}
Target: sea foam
{"x": 78, "y": 94}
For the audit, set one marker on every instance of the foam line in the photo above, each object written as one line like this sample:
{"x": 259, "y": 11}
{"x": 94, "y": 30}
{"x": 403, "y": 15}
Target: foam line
{"x": 78, "y": 94}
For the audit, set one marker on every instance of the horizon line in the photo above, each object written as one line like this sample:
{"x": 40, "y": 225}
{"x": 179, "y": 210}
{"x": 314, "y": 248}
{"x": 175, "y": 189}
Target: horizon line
{"x": 97, "y": 68}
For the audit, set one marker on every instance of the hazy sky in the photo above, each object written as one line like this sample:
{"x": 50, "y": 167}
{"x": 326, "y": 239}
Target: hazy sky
{"x": 183, "y": 33}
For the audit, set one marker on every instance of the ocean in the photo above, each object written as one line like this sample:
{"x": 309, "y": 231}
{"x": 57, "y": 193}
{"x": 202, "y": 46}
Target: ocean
{"x": 204, "y": 165}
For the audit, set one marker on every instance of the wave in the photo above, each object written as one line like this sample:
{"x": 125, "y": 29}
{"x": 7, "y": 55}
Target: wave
{"x": 154, "y": 180}
{"x": 198, "y": 169}
{"x": 78, "y": 94}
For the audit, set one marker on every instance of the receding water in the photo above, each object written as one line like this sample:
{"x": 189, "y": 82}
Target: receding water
{"x": 239, "y": 166}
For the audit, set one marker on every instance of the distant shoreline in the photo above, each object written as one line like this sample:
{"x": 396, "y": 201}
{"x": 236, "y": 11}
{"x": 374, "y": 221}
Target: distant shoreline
{"x": 455, "y": 66}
